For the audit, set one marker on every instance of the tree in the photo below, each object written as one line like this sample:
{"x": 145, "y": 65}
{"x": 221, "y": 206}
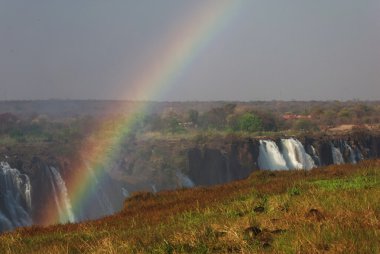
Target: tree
{"x": 305, "y": 125}
{"x": 249, "y": 122}
{"x": 216, "y": 118}
{"x": 172, "y": 123}
{"x": 268, "y": 120}
{"x": 193, "y": 116}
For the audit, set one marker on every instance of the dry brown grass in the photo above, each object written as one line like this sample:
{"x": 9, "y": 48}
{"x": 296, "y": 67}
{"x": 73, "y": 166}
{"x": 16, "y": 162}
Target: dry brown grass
{"x": 297, "y": 214}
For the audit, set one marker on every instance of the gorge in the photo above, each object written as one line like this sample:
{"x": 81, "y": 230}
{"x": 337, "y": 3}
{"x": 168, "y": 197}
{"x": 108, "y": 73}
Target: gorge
{"x": 33, "y": 187}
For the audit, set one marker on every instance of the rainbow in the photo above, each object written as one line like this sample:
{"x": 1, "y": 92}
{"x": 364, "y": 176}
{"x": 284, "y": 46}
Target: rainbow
{"x": 193, "y": 35}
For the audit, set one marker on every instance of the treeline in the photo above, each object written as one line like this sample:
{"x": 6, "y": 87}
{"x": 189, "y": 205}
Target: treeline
{"x": 245, "y": 118}
{"x": 39, "y": 128}
{"x": 338, "y": 113}
{"x": 226, "y": 118}
{"x": 230, "y": 117}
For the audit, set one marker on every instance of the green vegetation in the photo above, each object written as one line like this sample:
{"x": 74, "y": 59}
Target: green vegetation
{"x": 334, "y": 209}
{"x": 40, "y": 129}
{"x": 182, "y": 119}
{"x": 359, "y": 182}
{"x": 305, "y": 125}
{"x": 248, "y": 122}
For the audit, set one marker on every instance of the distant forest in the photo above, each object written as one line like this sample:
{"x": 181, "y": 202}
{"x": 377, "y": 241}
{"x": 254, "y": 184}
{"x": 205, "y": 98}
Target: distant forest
{"x": 64, "y": 120}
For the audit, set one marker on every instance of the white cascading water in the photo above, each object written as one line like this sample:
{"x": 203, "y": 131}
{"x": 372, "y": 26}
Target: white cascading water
{"x": 337, "y": 155}
{"x": 125, "y": 192}
{"x": 154, "y": 189}
{"x": 351, "y": 152}
{"x": 184, "y": 181}
{"x": 15, "y": 198}
{"x": 295, "y": 154}
{"x": 270, "y": 156}
{"x": 61, "y": 197}
{"x": 315, "y": 156}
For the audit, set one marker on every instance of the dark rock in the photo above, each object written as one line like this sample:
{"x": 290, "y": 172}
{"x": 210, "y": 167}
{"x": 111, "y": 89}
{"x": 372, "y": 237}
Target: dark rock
{"x": 234, "y": 161}
{"x": 259, "y": 209}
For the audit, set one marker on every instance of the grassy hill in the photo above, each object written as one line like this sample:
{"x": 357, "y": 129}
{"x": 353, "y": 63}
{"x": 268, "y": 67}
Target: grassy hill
{"x": 333, "y": 209}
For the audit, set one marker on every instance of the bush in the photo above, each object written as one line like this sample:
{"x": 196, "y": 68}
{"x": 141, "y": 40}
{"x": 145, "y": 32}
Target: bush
{"x": 305, "y": 125}
{"x": 249, "y": 122}
{"x": 172, "y": 124}
{"x": 18, "y": 135}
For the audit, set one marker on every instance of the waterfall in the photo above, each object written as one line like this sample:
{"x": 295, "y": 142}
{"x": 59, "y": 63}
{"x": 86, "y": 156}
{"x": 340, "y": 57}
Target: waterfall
{"x": 351, "y": 153}
{"x": 317, "y": 160}
{"x": 61, "y": 197}
{"x": 354, "y": 153}
{"x": 125, "y": 192}
{"x": 337, "y": 155}
{"x": 154, "y": 189}
{"x": 184, "y": 181}
{"x": 15, "y": 198}
{"x": 270, "y": 156}
{"x": 295, "y": 155}
{"x": 358, "y": 154}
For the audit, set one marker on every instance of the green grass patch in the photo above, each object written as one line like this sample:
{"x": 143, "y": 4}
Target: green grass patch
{"x": 358, "y": 182}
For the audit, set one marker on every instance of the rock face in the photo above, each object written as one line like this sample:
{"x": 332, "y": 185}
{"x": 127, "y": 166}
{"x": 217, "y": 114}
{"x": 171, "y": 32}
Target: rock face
{"x": 237, "y": 159}
{"x": 35, "y": 185}
{"x": 35, "y": 191}
{"x": 209, "y": 166}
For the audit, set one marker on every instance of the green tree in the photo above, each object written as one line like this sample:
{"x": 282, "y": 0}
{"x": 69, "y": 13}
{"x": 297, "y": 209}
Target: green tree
{"x": 305, "y": 125}
{"x": 172, "y": 123}
{"x": 193, "y": 116}
{"x": 249, "y": 122}
{"x": 269, "y": 122}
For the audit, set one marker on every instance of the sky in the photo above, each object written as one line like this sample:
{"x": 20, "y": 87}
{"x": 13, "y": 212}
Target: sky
{"x": 263, "y": 50}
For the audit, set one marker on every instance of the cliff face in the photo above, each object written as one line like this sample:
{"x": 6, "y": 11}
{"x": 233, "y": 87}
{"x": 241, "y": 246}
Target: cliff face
{"x": 155, "y": 165}
{"x": 209, "y": 166}
{"x": 237, "y": 159}
{"x": 209, "y": 162}
{"x": 50, "y": 190}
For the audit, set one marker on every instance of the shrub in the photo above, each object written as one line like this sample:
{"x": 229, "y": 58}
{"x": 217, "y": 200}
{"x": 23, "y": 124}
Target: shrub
{"x": 249, "y": 122}
{"x": 305, "y": 125}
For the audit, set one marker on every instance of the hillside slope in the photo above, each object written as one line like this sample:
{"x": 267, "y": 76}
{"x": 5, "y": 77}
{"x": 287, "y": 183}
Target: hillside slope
{"x": 331, "y": 209}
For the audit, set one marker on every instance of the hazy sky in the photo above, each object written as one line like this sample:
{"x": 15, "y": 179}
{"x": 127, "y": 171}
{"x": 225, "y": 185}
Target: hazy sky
{"x": 269, "y": 49}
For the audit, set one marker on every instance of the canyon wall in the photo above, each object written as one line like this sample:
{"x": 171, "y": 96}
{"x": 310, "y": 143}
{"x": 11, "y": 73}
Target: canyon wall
{"x": 37, "y": 187}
